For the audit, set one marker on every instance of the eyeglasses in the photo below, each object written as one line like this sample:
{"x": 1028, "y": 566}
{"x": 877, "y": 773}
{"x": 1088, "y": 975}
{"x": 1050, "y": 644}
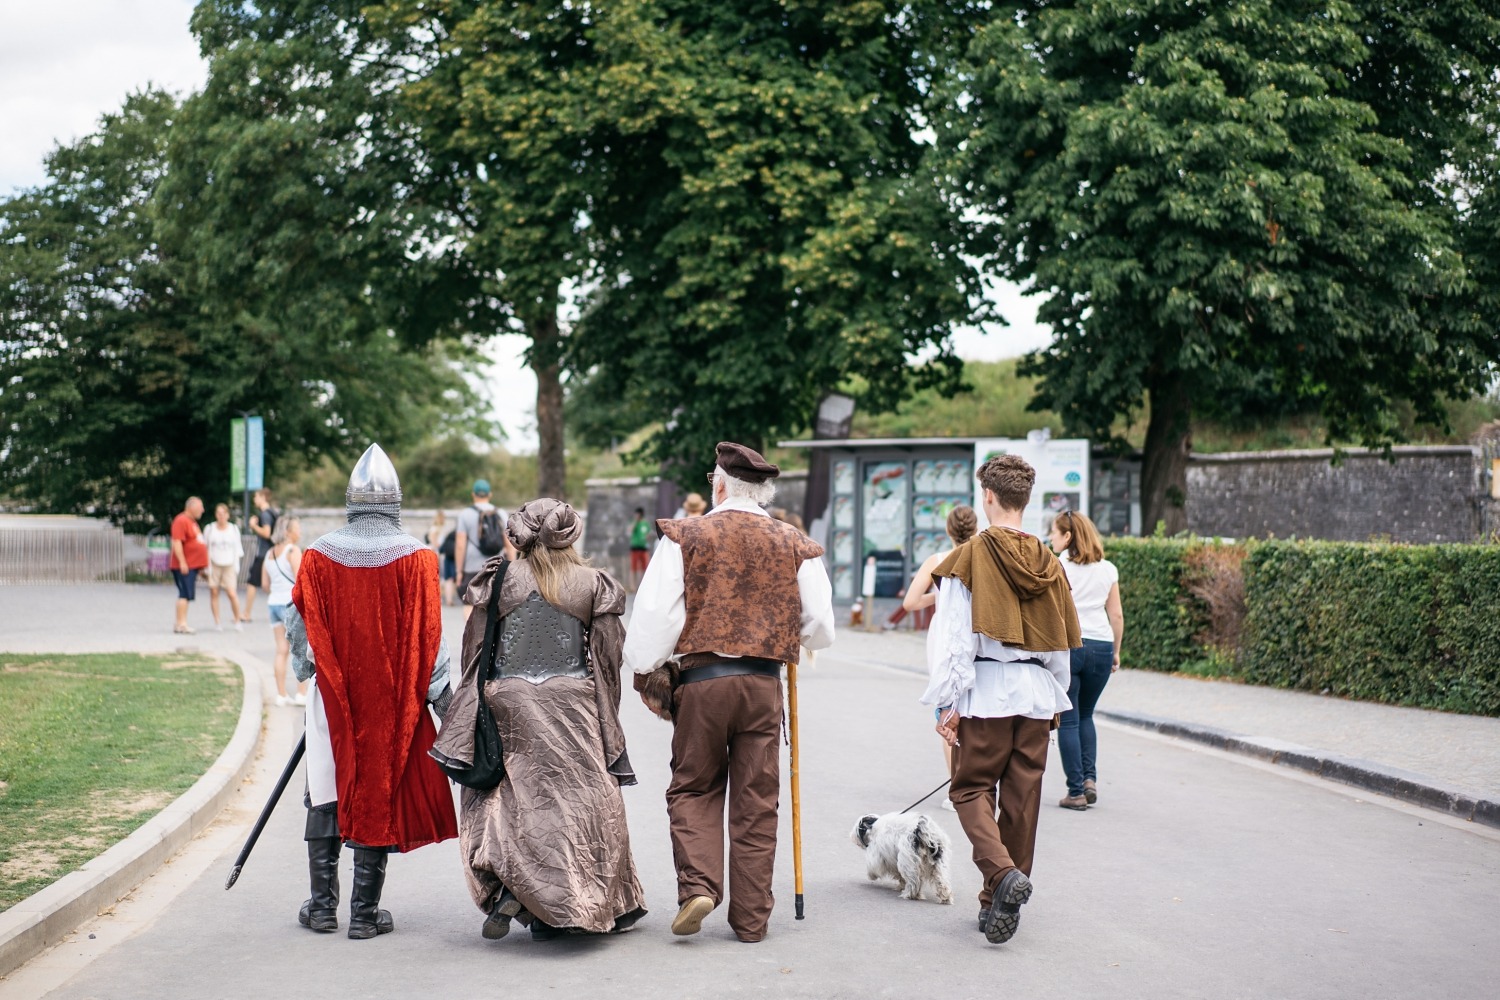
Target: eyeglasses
{"x": 711, "y": 479}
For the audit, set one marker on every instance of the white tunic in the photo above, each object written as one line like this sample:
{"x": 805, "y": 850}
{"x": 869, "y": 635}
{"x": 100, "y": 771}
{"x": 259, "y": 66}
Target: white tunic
{"x": 986, "y": 690}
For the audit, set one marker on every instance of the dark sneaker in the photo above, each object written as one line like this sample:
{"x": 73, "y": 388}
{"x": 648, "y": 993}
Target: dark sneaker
{"x": 1005, "y": 910}
{"x": 496, "y": 925}
{"x": 543, "y": 931}
{"x": 984, "y": 918}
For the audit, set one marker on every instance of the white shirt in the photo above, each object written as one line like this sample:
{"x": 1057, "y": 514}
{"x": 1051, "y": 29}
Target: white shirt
{"x": 1091, "y": 584}
{"x": 224, "y": 547}
{"x": 660, "y": 611}
{"x": 986, "y": 690}
{"x": 279, "y": 569}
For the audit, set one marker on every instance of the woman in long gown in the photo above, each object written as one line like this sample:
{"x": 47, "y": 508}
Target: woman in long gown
{"x": 549, "y": 844}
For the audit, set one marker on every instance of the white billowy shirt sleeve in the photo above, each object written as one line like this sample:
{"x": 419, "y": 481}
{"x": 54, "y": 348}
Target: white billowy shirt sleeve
{"x": 660, "y": 611}
{"x": 816, "y": 591}
{"x": 951, "y": 645}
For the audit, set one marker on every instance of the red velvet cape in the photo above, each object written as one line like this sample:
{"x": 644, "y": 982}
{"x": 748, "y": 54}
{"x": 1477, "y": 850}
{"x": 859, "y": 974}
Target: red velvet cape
{"x": 375, "y": 633}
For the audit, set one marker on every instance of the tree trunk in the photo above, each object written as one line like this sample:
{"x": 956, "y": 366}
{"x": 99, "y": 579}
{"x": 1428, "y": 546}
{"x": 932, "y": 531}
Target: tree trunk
{"x": 546, "y": 362}
{"x": 1169, "y": 441}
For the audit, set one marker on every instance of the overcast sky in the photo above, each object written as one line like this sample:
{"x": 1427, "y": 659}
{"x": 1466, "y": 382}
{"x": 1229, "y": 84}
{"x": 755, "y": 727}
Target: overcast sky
{"x": 64, "y": 63}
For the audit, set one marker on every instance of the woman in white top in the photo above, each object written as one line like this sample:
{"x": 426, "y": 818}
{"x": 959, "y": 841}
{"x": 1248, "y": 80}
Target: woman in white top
{"x": 920, "y": 593}
{"x": 225, "y": 549}
{"x": 1096, "y": 595}
{"x": 277, "y": 577}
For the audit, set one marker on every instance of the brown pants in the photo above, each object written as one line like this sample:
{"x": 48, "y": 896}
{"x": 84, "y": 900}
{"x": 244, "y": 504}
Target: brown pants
{"x": 726, "y": 739}
{"x": 1011, "y": 753}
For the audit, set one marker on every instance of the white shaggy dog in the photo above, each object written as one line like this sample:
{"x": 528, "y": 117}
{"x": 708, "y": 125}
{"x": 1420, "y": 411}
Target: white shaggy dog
{"x": 911, "y": 849}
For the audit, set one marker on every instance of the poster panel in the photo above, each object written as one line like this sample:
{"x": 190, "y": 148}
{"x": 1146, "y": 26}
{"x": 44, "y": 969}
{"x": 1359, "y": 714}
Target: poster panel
{"x": 1062, "y": 477}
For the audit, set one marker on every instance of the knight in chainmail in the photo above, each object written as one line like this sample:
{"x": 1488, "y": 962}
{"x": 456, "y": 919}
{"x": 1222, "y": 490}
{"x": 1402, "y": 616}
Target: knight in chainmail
{"x": 366, "y": 626}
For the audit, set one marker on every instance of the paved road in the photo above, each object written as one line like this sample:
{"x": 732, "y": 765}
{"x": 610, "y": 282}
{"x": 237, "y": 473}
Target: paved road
{"x": 1198, "y": 874}
{"x": 1457, "y": 750}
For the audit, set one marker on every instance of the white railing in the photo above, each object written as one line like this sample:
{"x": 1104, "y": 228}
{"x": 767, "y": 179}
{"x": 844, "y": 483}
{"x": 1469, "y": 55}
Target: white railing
{"x": 60, "y": 550}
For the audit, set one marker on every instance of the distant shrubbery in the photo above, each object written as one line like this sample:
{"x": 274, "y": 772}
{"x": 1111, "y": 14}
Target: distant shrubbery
{"x": 1403, "y": 624}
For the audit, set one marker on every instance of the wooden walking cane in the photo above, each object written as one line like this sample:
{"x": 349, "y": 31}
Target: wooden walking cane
{"x": 791, "y": 685}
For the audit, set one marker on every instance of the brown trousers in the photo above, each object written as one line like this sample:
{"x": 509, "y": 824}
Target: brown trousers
{"x": 1010, "y": 753}
{"x": 726, "y": 743}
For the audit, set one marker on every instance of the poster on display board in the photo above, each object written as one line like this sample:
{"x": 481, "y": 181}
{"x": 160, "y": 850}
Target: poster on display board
{"x": 1062, "y": 478}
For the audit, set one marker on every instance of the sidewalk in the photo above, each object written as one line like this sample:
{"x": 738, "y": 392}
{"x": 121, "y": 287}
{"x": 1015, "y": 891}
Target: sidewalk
{"x": 136, "y": 618}
{"x": 1460, "y": 752}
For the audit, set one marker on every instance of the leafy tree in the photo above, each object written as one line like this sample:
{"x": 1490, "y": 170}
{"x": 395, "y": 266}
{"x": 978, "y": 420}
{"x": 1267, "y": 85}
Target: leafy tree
{"x": 503, "y": 95}
{"x": 117, "y": 379}
{"x": 96, "y": 404}
{"x": 771, "y": 228}
{"x": 303, "y": 212}
{"x": 734, "y": 187}
{"x": 1272, "y": 201}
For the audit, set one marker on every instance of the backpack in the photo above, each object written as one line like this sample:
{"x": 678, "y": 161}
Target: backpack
{"x": 491, "y": 534}
{"x": 450, "y": 541}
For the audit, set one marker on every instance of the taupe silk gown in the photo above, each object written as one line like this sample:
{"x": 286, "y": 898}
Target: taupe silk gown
{"x": 553, "y": 831}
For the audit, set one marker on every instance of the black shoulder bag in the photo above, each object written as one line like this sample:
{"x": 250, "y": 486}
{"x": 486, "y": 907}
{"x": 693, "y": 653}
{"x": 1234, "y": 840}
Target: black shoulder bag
{"x": 488, "y": 768}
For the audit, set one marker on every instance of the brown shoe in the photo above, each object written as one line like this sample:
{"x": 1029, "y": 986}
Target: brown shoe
{"x": 1074, "y": 802}
{"x": 1091, "y": 791}
{"x": 690, "y": 916}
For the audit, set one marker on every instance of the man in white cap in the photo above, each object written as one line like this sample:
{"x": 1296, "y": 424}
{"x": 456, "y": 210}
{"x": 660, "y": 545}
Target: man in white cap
{"x": 726, "y": 601}
{"x": 479, "y": 537}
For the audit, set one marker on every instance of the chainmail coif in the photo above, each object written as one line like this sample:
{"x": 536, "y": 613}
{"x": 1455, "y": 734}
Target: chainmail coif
{"x": 373, "y": 537}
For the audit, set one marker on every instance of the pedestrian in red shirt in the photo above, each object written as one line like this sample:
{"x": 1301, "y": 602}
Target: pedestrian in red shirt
{"x": 189, "y": 555}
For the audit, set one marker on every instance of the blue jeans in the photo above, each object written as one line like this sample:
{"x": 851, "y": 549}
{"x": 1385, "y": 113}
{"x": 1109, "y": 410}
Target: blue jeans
{"x": 1077, "y": 743}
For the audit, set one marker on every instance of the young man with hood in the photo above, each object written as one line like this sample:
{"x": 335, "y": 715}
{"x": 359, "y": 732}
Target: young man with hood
{"x": 998, "y": 666}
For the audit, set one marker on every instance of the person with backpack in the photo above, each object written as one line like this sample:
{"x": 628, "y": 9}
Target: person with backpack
{"x": 440, "y": 540}
{"x": 479, "y": 537}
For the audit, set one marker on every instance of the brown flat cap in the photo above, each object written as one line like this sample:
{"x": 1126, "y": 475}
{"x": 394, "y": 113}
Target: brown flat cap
{"x": 745, "y": 464}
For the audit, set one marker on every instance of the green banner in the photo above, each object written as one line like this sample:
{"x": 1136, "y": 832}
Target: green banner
{"x": 236, "y": 455}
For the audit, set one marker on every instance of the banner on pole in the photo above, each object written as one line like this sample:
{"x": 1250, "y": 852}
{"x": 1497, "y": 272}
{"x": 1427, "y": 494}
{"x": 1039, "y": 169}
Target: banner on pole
{"x": 247, "y": 454}
{"x": 236, "y": 455}
{"x": 256, "y": 460}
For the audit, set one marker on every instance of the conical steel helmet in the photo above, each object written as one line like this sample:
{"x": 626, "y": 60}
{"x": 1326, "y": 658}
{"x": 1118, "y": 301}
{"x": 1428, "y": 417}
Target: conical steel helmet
{"x": 374, "y": 481}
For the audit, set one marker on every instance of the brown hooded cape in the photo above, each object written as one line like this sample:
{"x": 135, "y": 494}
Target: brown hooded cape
{"x": 1021, "y": 594}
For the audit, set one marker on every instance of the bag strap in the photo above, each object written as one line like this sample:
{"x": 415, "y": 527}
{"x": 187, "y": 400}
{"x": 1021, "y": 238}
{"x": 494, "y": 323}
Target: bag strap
{"x": 491, "y": 629}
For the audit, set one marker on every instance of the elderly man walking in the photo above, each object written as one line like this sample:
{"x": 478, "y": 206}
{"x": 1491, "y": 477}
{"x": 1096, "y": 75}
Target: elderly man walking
{"x": 998, "y": 662}
{"x": 725, "y": 602}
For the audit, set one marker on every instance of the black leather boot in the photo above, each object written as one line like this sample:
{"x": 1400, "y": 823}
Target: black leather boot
{"x": 366, "y": 918}
{"x": 321, "y": 911}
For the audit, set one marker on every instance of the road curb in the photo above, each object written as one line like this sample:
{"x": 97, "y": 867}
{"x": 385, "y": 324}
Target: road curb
{"x": 43, "y": 919}
{"x": 1408, "y": 786}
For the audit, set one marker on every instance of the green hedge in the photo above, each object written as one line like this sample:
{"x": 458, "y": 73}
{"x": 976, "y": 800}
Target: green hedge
{"x": 1404, "y": 624}
{"x": 1161, "y": 618}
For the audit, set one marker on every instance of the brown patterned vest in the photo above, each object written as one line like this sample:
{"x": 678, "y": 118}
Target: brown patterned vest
{"x": 740, "y": 577}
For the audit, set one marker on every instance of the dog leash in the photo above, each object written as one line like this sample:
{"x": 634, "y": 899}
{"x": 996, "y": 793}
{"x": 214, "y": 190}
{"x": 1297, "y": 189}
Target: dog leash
{"x": 924, "y": 798}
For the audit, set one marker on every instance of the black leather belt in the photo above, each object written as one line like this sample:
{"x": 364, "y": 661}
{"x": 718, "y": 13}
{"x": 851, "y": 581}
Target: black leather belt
{"x": 731, "y": 668}
{"x": 991, "y": 659}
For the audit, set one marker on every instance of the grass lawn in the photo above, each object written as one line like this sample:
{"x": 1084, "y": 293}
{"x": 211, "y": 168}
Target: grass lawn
{"x": 93, "y": 746}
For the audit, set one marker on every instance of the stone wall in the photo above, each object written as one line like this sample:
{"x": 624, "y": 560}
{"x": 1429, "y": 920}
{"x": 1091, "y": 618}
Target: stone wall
{"x": 1428, "y": 494}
